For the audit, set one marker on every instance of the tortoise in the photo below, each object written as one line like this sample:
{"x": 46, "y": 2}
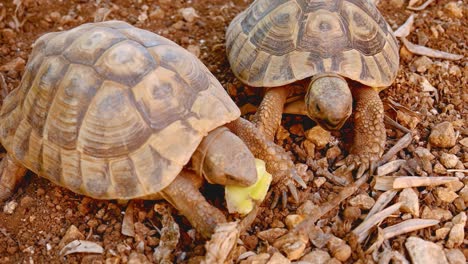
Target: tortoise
{"x": 111, "y": 111}
{"x": 335, "y": 51}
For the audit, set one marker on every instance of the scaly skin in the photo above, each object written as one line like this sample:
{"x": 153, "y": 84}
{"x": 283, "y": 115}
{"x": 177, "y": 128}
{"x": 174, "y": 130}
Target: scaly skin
{"x": 277, "y": 161}
{"x": 184, "y": 195}
{"x": 11, "y": 173}
{"x": 369, "y": 130}
{"x": 269, "y": 113}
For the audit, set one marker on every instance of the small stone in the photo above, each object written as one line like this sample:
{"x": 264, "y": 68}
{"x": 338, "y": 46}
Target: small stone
{"x": 27, "y": 201}
{"x": 443, "y": 135}
{"x": 421, "y": 64}
{"x": 272, "y": 234}
{"x": 455, "y": 256}
{"x": 464, "y": 194}
{"x": 194, "y": 49}
{"x": 189, "y": 14}
{"x": 306, "y": 208}
{"x": 339, "y": 249}
{"x": 101, "y": 228}
{"x": 410, "y": 201}
{"x": 16, "y": 64}
{"x": 449, "y": 160}
{"x": 456, "y": 236}
{"x": 293, "y": 220}
{"x": 363, "y": 201}
{"x": 333, "y": 153}
{"x": 464, "y": 142}
{"x": 55, "y": 16}
{"x": 138, "y": 258}
{"x": 436, "y": 213}
{"x": 317, "y": 256}
{"x": 439, "y": 169}
{"x": 454, "y": 9}
{"x": 72, "y": 234}
{"x": 423, "y": 252}
{"x": 424, "y": 153}
{"x": 278, "y": 258}
{"x": 309, "y": 148}
{"x": 157, "y": 13}
{"x": 397, "y": 3}
{"x": 442, "y": 233}
{"x": 459, "y": 218}
{"x": 459, "y": 204}
{"x": 40, "y": 192}
{"x": 445, "y": 195}
{"x": 319, "y": 181}
{"x": 319, "y": 136}
{"x": 352, "y": 213}
{"x": 10, "y": 207}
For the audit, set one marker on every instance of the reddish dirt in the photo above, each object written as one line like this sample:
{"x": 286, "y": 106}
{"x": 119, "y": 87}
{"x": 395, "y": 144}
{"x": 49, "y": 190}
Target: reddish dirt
{"x": 45, "y": 212}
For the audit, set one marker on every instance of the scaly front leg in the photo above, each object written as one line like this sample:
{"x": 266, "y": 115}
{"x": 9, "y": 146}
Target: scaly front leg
{"x": 270, "y": 111}
{"x": 369, "y": 131}
{"x": 277, "y": 161}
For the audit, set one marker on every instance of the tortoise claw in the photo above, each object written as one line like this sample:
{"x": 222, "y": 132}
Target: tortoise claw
{"x": 299, "y": 180}
{"x": 293, "y": 190}
{"x": 284, "y": 198}
{"x": 361, "y": 170}
{"x": 275, "y": 201}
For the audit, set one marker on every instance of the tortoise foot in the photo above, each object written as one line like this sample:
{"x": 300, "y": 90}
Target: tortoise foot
{"x": 11, "y": 174}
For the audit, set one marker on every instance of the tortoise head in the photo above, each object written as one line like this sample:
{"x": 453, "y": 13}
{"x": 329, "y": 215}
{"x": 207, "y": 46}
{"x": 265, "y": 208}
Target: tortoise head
{"x": 329, "y": 101}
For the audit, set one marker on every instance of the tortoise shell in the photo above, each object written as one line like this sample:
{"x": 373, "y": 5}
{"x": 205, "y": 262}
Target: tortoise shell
{"x": 277, "y": 42}
{"x": 111, "y": 111}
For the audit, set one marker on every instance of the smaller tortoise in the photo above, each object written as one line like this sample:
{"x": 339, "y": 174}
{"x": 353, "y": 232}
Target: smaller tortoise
{"x": 115, "y": 112}
{"x": 336, "y": 51}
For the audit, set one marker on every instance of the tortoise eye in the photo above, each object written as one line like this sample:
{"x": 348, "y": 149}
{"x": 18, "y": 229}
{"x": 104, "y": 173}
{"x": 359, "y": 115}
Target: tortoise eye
{"x": 317, "y": 107}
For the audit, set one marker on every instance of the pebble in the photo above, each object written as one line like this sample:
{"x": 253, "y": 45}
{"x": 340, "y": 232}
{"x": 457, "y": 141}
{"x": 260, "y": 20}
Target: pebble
{"x": 456, "y": 236}
{"x": 410, "y": 201}
{"x": 309, "y": 147}
{"x": 436, "y": 213}
{"x": 138, "y": 258}
{"x": 455, "y": 256}
{"x": 317, "y": 256}
{"x": 460, "y": 218}
{"x": 10, "y": 207}
{"x": 464, "y": 193}
{"x": 454, "y": 9}
{"x": 278, "y": 258}
{"x": 319, "y": 181}
{"x": 319, "y": 136}
{"x": 363, "y": 201}
{"x": 271, "y": 234}
{"x": 257, "y": 259}
{"x": 421, "y": 64}
{"x": 189, "y": 14}
{"x": 72, "y": 234}
{"x": 439, "y": 169}
{"x": 339, "y": 249}
{"x": 449, "y": 160}
{"x": 157, "y": 13}
{"x": 446, "y": 195}
{"x": 443, "y": 135}
{"x": 423, "y": 252}
{"x": 397, "y": 3}
{"x": 464, "y": 142}
{"x": 194, "y": 49}
{"x": 293, "y": 220}
{"x": 27, "y": 201}
{"x": 306, "y": 208}
{"x": 442, "y": 233}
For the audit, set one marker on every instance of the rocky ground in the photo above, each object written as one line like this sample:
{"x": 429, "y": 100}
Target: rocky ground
{"x": 429, "y": 97}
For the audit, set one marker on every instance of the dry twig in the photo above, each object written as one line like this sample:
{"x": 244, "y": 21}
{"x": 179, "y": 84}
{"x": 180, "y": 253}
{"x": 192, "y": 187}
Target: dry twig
{"x": 384, "y": 183}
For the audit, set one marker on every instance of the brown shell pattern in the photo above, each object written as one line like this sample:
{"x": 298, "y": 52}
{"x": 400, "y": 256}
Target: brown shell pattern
{"x": 277, "y": 42}
{"x": 111, "y": 111}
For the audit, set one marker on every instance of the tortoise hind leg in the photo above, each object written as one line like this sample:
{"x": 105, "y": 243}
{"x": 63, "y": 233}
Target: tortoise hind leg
{"x": 369, "y": 130}
{"x": 11, "y": 174}
{"x": 270, "y": 111}
{"x": 184, "y": 195}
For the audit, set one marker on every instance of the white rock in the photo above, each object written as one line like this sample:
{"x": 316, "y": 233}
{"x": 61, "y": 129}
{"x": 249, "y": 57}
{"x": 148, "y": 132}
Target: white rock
{"x": 443, "y": 135}
{"x": 449, "y": 160}
{"x": 410, "y": 201}
{"x": 317, "y": 256}
{"x": 189, "y": 14}
{"x": 424, "y": 252}
{"x": 363, "y": 201}
{"x": 10, "y": 207}
{"x": 456, "y": 236}
{"x": 446, "y": 195}
{"x": 455, "y": 256}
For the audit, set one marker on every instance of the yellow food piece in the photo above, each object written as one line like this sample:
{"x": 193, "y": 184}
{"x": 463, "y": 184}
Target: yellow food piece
{"x": 241, "y": 199}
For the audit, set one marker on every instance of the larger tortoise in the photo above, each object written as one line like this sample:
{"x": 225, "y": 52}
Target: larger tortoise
{"x": 115, "y": 112}
{"x": 337, "y": 50}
